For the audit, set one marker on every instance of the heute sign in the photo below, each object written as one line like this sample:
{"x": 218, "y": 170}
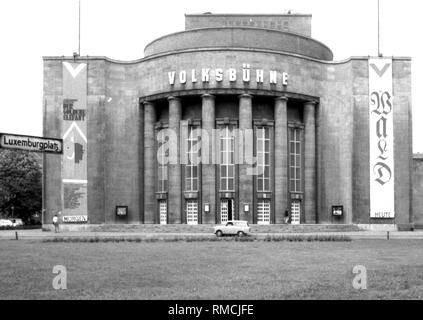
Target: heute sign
{"x": 381, "y": 106}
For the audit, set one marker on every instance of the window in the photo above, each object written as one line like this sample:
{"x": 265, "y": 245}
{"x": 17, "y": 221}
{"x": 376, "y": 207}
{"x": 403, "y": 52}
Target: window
{"x": 227, "y": 159}
{"x": 263, "y": 158}
{"x": 162, "y": 157}
{"x": 295, "y": 160}
{"x": 192, "y": 167}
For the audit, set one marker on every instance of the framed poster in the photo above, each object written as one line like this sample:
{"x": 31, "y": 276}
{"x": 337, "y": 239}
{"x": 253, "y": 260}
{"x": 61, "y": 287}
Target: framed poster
{"x": 122, "y": 211}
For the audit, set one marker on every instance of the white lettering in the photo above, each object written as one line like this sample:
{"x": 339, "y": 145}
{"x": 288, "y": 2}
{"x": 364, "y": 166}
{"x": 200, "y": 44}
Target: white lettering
{"x": 219, "y": 75}
{"x": 171, "y": 76}
{"x": 205, "y": 75}
{"x": 71, "y": 219}
{"x": 259, "y": 75}
{"x": 284, "y": 78}
{"x": 180, "y": 310}
{"x": 183, "y": 77}
{"x": 246, "y": 73}
{"x": 273, "y": 77}
{"x": 59, "y": 281}
{"x": 360, "y": 280}
{"x": 232, "y": 74}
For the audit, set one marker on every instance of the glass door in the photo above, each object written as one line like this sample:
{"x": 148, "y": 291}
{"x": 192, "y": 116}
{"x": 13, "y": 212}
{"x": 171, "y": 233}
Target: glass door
{"x": 263, "y": 212}
{"x": 163, "y": 211}
{"x": 192, "y": 212}
{"x": 295, "y": 212}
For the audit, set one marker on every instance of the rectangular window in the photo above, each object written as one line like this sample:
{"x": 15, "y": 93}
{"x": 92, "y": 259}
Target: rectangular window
{"x": 295, "y": 162}
{"x": 162, "y": 167}
{"x": 227, "y": 159}
{"x": 192, "y": 166}
{"x": 263, "y": 153}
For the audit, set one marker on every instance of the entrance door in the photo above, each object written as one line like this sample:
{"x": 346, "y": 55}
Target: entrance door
{"x": 295, "y": 212}
{"x": 192, "y": 212}
{"x": 226, "y": 210}
{"x": 263, "y": 212}
{"x": 163, "y": 211}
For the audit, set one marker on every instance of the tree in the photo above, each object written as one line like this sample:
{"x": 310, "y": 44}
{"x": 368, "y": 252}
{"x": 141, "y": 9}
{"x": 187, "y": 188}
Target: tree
{"x": 20, "y": 183}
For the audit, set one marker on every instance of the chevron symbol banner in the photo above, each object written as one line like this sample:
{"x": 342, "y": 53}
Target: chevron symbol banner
{"x": 381, "y": 109}
{"x": 74, "y": 134}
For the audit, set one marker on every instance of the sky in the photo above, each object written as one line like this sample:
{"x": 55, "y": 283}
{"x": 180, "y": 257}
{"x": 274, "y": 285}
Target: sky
{"x": 120, "y": 29}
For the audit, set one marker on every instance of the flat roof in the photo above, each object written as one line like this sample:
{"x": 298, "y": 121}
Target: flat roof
{"x": 248, "y": 14}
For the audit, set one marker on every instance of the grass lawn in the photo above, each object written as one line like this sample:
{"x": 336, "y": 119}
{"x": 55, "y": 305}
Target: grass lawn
{"x": 212, "y": 270}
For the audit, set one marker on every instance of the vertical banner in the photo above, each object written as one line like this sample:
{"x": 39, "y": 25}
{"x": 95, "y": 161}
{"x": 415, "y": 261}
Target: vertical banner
{"x": 74, "y": 134}
{"x": 381, "y": 104}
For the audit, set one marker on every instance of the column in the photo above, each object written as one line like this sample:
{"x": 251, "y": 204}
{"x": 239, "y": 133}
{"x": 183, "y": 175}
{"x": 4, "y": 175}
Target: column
{"x": 175, "y": 173}
{"x": 310, "y": 162}
{"x": 245, "y": 179}
{"x": 281, "y": 159}
{"x": 149, "y": 164}
{"x": 141, "y": 162}
{"x": 208, "y": 169}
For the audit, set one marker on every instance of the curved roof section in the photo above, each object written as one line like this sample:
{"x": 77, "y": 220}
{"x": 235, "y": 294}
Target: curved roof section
{"x": 240, "y": 37}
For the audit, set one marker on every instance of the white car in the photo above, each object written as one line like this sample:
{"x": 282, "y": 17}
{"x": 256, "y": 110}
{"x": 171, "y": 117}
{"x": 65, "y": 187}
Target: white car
{"x": 6, "y": 223}
{"x": 17, "y": 222}
{"x": 233, "y": 227}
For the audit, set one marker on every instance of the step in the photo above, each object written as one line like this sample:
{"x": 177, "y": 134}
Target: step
{"x": 207, "y": 228}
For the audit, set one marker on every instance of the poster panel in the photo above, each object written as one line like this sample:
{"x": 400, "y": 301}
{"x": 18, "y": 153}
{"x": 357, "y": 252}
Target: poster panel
{"x": 381, "y": 106}
{"x": 74, "y": 133}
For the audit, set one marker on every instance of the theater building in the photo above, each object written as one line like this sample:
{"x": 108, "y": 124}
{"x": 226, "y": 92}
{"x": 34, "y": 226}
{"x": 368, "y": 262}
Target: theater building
{"x": 278, "y": 126}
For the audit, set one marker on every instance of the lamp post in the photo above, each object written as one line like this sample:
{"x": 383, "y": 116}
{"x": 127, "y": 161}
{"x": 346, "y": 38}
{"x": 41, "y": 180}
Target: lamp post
{"x": 12, "y": 197}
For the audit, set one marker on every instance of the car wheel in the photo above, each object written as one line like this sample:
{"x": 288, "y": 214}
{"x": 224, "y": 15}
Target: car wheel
{"x": 240, "y": 234}
{"x": 219, "y": 233}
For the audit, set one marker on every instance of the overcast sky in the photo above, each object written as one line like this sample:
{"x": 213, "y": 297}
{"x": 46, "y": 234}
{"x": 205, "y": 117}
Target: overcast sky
{"x": 120, "y": 29}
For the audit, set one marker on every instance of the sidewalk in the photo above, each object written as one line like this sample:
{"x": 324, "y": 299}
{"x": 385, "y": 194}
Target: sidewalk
{"x": 42, "y": 235}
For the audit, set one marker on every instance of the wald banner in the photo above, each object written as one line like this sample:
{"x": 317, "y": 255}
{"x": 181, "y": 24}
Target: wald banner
{"x": 31, "y": 143}
{"x": 381, "y": 126}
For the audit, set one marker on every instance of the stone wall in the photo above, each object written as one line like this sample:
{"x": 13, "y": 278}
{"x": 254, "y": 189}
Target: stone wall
{"x": 418, "y": 190}
{"x": 296, "y": 23}
{"x": 239, "y": 38}
{"x": 116, "y": 171}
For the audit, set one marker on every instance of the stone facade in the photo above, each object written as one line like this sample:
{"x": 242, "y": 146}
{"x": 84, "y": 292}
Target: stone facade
{"x": 300, "y": 24}
{"x": 418, "y": 190}
{"x": 199, "y": 77}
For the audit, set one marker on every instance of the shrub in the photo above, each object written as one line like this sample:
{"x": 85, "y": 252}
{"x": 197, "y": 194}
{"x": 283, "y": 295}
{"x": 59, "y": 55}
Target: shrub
{"x": 267, "y": 238}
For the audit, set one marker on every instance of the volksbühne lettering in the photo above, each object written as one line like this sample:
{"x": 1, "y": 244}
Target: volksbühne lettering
{"x": 218, "y": 75}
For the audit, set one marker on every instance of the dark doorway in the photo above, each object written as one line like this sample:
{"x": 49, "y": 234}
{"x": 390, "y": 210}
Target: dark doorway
{"x": 230, "y": 209}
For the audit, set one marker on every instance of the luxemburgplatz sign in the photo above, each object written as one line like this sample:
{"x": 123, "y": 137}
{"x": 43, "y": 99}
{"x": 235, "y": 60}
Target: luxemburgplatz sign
{"x": 31, "y": 143}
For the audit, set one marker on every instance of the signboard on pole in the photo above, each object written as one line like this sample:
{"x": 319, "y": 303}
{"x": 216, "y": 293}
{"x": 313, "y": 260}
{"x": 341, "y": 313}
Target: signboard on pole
{"x": 31, "y": 143}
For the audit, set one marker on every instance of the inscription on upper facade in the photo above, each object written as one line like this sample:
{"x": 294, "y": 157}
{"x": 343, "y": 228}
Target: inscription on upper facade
{"x": 246, "y": 74}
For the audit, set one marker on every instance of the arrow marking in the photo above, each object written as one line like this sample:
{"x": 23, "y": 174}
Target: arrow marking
{"x": 379, "y": 72}
{"x": 75, "y": 126}
{"x": 74, "y": 71}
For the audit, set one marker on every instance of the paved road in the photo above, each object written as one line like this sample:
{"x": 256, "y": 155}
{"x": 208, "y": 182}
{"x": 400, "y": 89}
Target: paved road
{"x": 41, "y": 235}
